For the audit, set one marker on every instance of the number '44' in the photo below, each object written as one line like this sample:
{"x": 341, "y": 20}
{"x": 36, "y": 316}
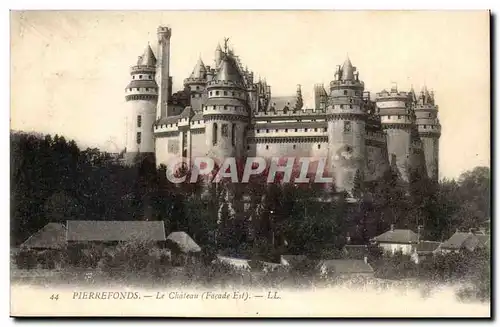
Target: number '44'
{"x": 54, "y": 297}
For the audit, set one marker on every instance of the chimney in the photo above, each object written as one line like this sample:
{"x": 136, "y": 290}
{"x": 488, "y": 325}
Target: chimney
{"x": 392, "y": 227}
{"x": 348, "y": 239}
{"x": 366, "y": 259}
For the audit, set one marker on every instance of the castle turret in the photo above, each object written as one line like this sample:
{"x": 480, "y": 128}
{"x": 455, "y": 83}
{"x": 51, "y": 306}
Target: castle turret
{"x": 196, "y": 83}
{"x": 218, "y": 56}
{"x": 163, "y": 72}
{"x": 429, "y": 130}
{"x": 394, "y": 109}
{"x": 226, "y": 113}
{"x": 141, "y": 95}
{"x": 346, "y": 127}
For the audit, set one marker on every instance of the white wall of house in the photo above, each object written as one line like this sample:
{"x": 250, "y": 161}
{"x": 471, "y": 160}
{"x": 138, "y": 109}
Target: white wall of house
{"x": 392, "y": 248}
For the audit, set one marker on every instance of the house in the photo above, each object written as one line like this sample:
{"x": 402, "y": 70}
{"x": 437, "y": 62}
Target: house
{"x": 48, "y": 245}
{"x": 397, "y": 240}
{"x": 346, "y": 268}
{"x": 184, "y": 247}
{"x": 424, "y": 250}
{"x": 237, "y": 263}
{"x": 51, "y": 237}
{"x": 114, "y": 232}
{"x": 291, "y": 260}
{"x": 356, "y": 252}
{"x": 461, "y": 241}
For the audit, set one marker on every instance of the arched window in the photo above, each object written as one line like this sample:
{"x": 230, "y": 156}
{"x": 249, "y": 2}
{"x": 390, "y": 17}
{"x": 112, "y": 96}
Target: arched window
{"x": 214, "y": 134}
{"x": 233, "y": 135}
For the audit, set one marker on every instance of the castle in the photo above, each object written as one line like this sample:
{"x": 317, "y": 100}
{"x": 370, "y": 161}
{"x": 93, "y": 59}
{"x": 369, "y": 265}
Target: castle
{"x": 224, "y": 112}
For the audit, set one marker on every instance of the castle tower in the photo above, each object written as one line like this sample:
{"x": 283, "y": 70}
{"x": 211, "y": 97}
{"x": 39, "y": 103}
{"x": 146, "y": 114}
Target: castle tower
{"x": 226, "y": 112}
{"x": 346, "y": 127}
{"x": 394, "y": 109}
{"x": 429, "y": 129}
{"x": 141, "y": 96}
{"x": 163, "y": 71}
{"x": 196, "y": 83}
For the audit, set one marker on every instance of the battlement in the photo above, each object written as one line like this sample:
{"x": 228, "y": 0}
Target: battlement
{"x": 290, "y": 113}
{"x": 164, "y": 32}
{"x": 347, "y": 83}
{"x": 426, "y": 107}
{"x": 215, "y": 83}
{"x": 393, "y": 95}
{"x": 191, "y": 80}
{"x": 142, "y": 69}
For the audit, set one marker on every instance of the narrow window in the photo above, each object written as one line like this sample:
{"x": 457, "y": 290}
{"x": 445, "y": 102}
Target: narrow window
{"x": 267, "y": 131}
{"x": 214, "y": 134}
{"x": 296, "y": 129}
{"x": 225, "y": 92}
{"x": 138, "y": 137}
{"x": 315, "y": 129}
{"x": 197, "y": 87}
{"x": 294, "y": 146}
{"x": 216, "y": 92}
{"x": 319, "y": 146}
{"x": 267, "y": 147}
{"x": 347, "y": 127}
{"x": 286, "y": 130}
{"x": 139, "y": 121}
{"x": 306, "y": 129}
{"x": 224, "y": 130}
{"x": 277, "y": 130}
{"x": 345, "y": 92}
{"x": 389, "y": 117}
{"x": 325, "y": 129}
{"x": 233, "y": 135}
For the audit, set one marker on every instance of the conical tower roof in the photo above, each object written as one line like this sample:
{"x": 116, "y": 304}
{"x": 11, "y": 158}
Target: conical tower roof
{"x": 148, "y": 58}
{"x": 199, "y": 70}
{"x": 347, "y": 70}
{"x": 228, "y": 70}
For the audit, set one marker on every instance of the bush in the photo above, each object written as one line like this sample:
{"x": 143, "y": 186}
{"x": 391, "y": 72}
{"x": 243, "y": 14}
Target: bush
{"x": 26, "y": 259}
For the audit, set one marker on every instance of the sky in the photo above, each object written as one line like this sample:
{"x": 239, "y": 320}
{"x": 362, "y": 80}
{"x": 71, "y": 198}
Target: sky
{"x": 69, "y": 69}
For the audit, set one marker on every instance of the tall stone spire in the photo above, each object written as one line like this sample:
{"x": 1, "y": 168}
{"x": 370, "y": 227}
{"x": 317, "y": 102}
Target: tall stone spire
{"x": 347, "y": 70}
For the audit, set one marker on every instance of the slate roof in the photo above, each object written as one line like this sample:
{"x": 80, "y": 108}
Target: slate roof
{"x": 293, "y": 259}
{"x": 168, "y": 120}
{"x": 347, "y": 266}
{"x": 51, "y": 236}
{"x": 281, "y": 102}
{"x": 184, "y": 242}
{"x": 460, "y": 240}
{"x": 485, "y": 239}
{"x": 427, "y": 246}
{"x": 355, "y": 252}
{"x": 108, "y": 231}
{"x": 404, "y": 236}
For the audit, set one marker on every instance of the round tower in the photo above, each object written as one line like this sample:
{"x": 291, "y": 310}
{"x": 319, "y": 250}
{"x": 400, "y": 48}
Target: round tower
{"x": 429, "y": 129}
{"x": 346, "y": 128}
{"x": 226, "y": 112}
{"x": 196, "y": 83}
{"x": 394, "y": 109}
{"x": 141, "y": 96}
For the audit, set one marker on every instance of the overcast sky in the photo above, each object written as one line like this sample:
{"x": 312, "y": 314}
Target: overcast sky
{"x": 69, "y": 69}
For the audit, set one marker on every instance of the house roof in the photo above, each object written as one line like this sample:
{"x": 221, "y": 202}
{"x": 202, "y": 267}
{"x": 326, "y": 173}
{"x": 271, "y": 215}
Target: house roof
{"x": 347, "y": 266}
{"x": 51, "y": 236}
{"x": 458, "y": 240}
{"x": 398, "y": 236}
{"x": 485, "y": 239}
{"x": 355, "y": 251}
{"x": 237, "y": 262}
{"x": 427, "y": 246}
{"x": 88, "y": 230}
{"x": 293, "y": 259}
{"x": 184, "y": 242}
